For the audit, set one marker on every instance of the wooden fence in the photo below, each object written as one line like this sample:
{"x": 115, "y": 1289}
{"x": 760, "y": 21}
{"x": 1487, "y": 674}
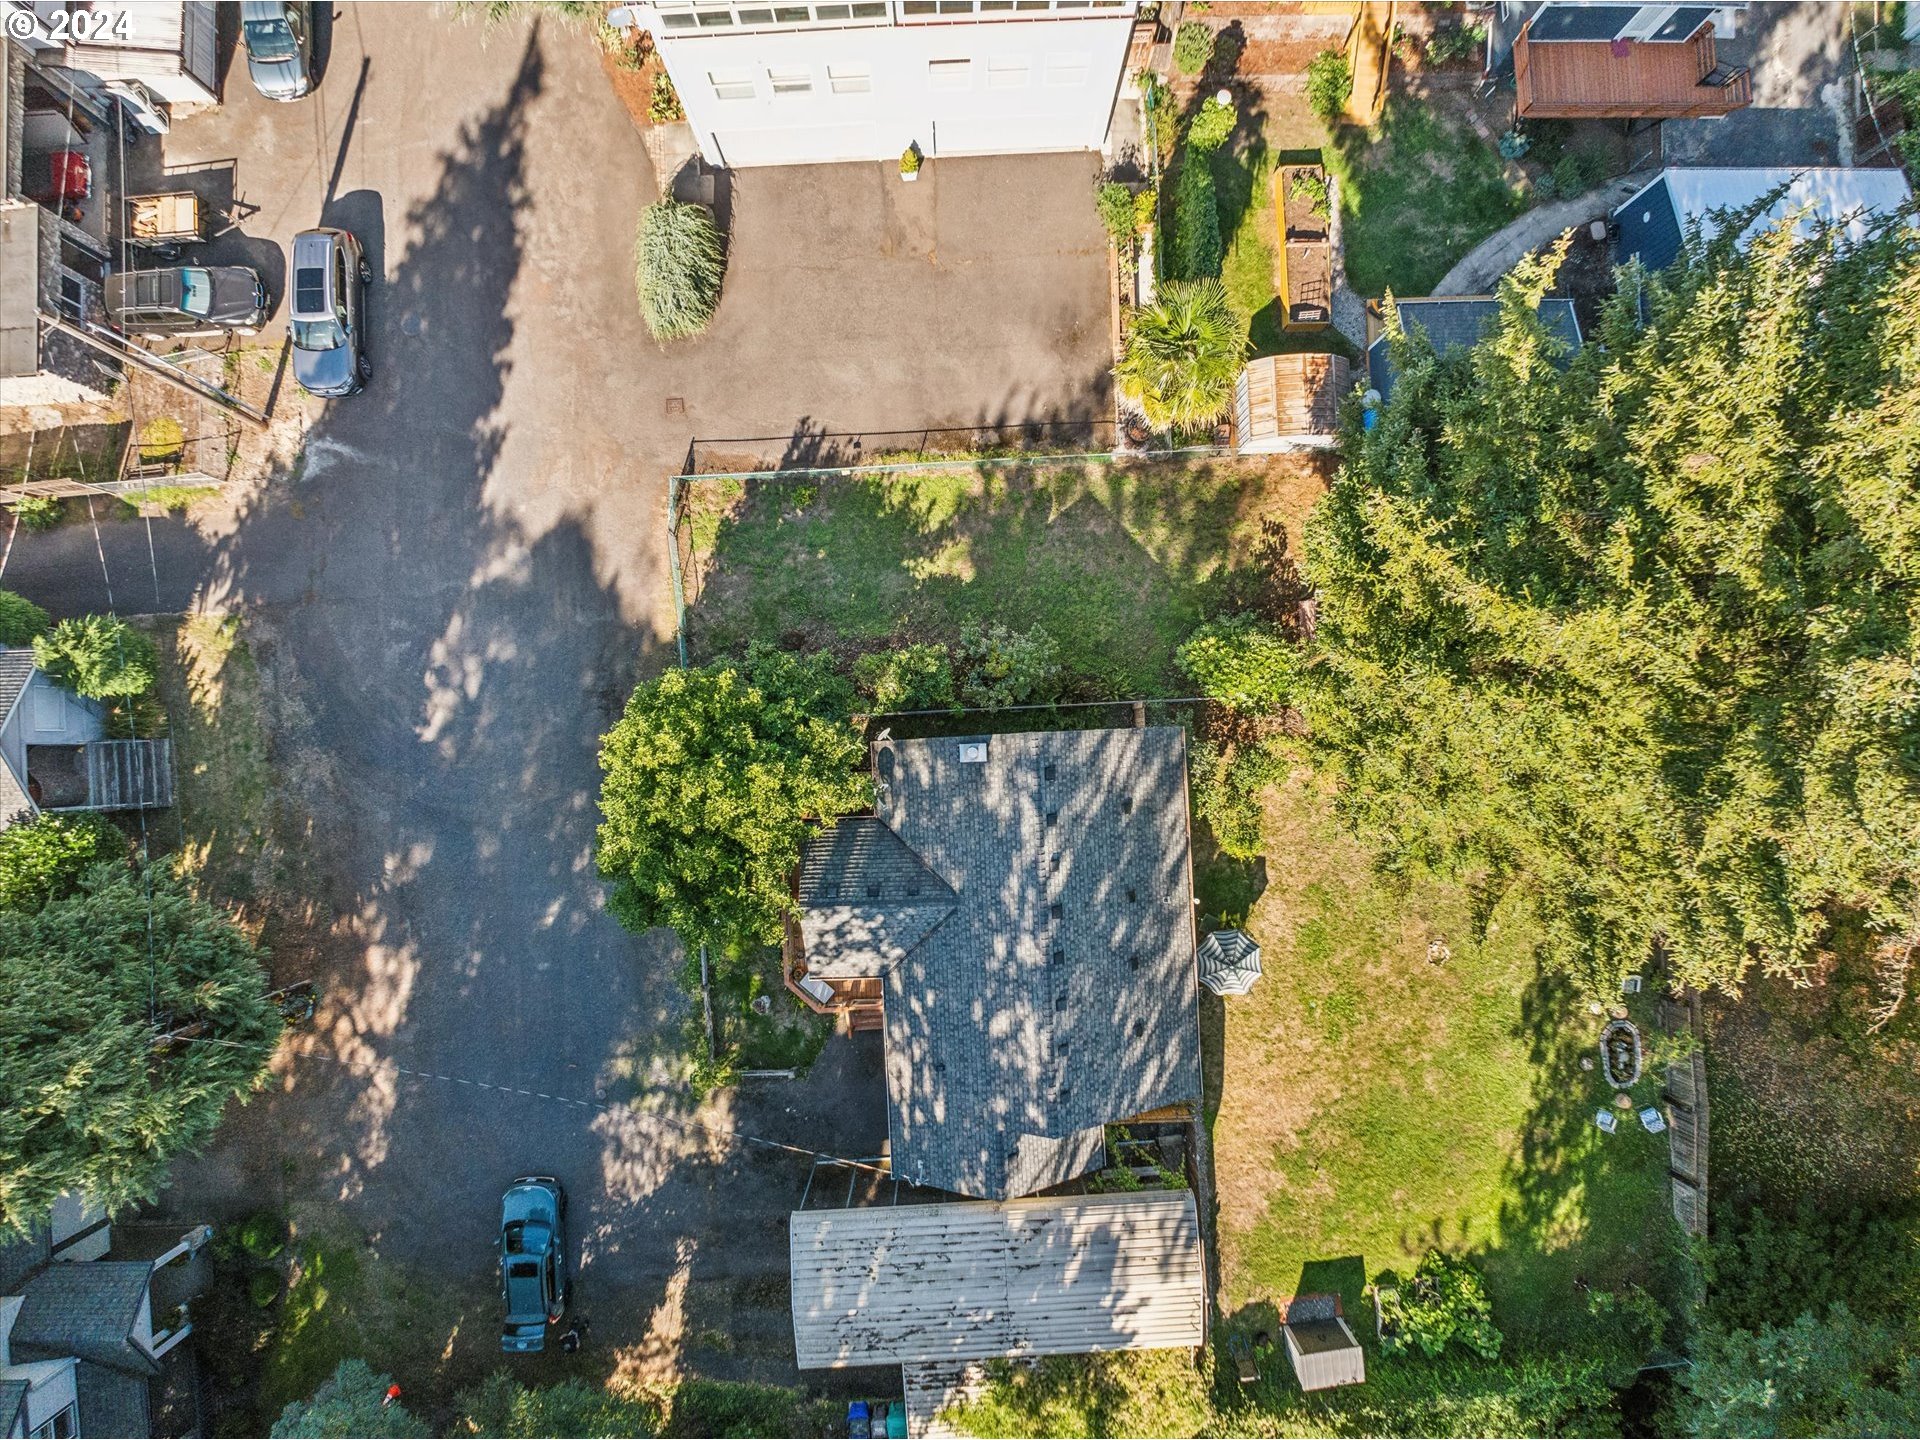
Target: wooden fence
{"x": 1687, "y": 1127}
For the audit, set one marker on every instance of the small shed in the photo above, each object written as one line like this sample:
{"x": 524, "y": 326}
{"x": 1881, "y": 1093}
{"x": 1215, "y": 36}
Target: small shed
{"x": 1229, "y": 962}
{"x": 1289, "y": 402}
{"x": 1321, "y": 1345}
{"x": 934, "y": 1288}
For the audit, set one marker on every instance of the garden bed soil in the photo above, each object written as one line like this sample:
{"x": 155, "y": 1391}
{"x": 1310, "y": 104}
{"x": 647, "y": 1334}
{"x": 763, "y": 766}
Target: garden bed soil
{"x": 634, "y": 87}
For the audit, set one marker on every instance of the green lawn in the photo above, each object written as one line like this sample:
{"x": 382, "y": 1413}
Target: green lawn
{"x": 1374, "y": 1105}
{"x": 1117, "y": 563}
{"x": 1417, "y": 192}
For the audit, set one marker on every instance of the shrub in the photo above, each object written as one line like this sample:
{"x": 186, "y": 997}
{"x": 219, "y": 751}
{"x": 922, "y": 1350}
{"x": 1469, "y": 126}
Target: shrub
{"x": 1312, "y": 188}
{"x": 1513, "y": 144}
{"x": 1198, "y": 250}
{"x": 1456, "y": 42}
{"x": 999, "y": 666}
{"x": 1192, "y": 47}
{"x": 910, "y": 160}
{"x": 39, "y": 512}
{"x": 1144, "y": 206}
{"x": 43, "y": 859}
{"x": 1115, "y": 203}
{"x": 97, "y": 656}
{"x": 1444, "y": 1302}
{"x": 1240, "y": 663}
{"x": 21, "y": 621}
{"x": 1226, "y": 793}
{"x": 677, "y": 268}
{"x": 1329, "y": 84}
{"x": 663, "y": 105}
{"x": 1183, "y": 355}
{"x": 913, "y": 677}
{"x": 1212, "y": 124}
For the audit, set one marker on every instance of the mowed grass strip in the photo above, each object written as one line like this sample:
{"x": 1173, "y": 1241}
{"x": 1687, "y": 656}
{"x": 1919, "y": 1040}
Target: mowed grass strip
{"x": 1117, "y": 563}
{"x": 1375, "y": 1104}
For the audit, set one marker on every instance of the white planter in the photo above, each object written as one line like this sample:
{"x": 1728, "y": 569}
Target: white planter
{"x": 909, "y": 176}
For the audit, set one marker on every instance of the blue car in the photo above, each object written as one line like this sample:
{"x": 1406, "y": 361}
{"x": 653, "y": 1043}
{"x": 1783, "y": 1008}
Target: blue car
{"x": 533, "y": 1262}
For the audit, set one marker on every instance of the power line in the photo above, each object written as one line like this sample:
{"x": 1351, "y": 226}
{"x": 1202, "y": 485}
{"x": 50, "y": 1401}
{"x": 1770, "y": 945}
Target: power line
{"x": 715, "y": 1132}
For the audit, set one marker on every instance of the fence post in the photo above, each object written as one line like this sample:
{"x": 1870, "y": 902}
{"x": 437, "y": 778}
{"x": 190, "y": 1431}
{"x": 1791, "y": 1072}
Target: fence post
{"x": 679, "y": 586}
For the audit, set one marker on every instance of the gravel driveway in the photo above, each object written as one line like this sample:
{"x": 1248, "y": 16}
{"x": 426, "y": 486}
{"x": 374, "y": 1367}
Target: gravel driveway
{"x": 464, "y": 572}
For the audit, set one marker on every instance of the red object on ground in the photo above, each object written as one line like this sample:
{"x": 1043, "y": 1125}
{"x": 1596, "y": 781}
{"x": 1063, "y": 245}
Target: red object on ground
{"x": 69, "y": 175}
{"x": 393, "y": 1394}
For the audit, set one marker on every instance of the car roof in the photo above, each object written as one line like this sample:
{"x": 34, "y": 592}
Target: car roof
{"x": 145, "y": 289}
{"x": 262, "y": 10}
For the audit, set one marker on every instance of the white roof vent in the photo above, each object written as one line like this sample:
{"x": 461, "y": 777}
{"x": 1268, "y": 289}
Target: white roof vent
{"x": 973, "y": 752}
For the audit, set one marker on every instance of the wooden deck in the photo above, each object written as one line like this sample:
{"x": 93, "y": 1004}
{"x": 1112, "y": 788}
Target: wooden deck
{"x": 1625, "y": 79}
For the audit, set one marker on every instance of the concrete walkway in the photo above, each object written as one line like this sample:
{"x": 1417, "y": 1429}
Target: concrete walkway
{"x": 1494, "y": 256}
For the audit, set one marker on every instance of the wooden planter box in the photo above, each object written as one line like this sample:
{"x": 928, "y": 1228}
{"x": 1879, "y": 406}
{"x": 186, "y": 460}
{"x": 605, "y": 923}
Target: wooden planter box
{"x": 1306, "y": 252}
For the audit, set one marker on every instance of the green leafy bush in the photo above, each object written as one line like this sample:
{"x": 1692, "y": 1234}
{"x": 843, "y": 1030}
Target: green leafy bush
{"x": 678, "y": 264}
{"x": 912, "y": 677}
{"x": 43, "y": 859}
{"x": 998, "y": 666}
{"x": 1183, "y": 354}
{"x": 1115, "y": 203}
{"x": 1329, "y": 84}
{"x": 512, "y": 1410}
{"x": 1192, "y": 47}
{"x": 1456, "y": 42}
{"x": 1198, "y": 248}
{"x": 39, "y": 512}
{"x": 21, "y": 621}
{"x": 1212, "y": 123}
{"x": 1240, "y": 662}
{"x": 663, "y": 104}
{"x": 712, "y": 777}
{"x": 1312, "y": 188}
{"x": 1444, "y": 1302}
{"x": 97, "y": 656}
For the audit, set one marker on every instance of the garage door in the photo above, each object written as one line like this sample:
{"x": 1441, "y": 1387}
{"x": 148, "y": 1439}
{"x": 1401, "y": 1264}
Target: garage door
{"x": 803, "y": 145}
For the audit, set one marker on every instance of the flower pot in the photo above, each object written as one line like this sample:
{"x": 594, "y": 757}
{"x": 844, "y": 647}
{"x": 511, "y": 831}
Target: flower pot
{"x": 909, "y": 176}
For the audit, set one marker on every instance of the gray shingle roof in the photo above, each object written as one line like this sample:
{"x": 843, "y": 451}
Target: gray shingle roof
{"x": 113, "y": 1402}
{"x": 85, "y": 1308}
{"x": 13, "y": 1394}
{"x": 1458, "y": 322}
{"x": 866, "y": 899}
{"x": 1058, "y": 993}
{"x": 16, "y": 668}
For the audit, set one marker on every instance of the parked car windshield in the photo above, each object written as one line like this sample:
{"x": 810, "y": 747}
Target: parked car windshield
{"x": 270, "y": 40}
{"x": 318, "y": 334}
{"x": 196, "y": 292}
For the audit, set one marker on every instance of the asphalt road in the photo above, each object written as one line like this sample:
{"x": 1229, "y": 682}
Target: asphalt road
{"x": 465, "y": 573}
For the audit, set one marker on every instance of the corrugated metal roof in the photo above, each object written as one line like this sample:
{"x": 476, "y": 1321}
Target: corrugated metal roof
{"x": 932, "y": 1387}
{"x": 984, "y": 1280}
{"x": 1325, "y": 1354}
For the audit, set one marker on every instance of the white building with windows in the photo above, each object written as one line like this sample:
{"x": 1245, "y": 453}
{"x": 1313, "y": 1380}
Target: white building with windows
{"x": 816, "y": 83}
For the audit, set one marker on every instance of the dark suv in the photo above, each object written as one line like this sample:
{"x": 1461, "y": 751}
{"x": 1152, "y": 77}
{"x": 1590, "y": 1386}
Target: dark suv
{"x": 187, "y": 300}
{"x": 327, "y": 319}
{"x": 533, "y": 1261}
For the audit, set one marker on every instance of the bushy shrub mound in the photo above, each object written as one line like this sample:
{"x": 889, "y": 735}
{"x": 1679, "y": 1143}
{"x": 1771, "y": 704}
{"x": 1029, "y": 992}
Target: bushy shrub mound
{"x": 678, "y": 263}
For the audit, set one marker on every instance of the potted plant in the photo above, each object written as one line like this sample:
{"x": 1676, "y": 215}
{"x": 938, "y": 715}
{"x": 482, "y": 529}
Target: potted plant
{"x": 910, "y": 163}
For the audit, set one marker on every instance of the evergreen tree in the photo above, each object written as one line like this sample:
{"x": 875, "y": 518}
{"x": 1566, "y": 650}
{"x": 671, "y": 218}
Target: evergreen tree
{"x": 1636, "y": 632}
{"x": 87, "y": 1103}
{"x": 44, "y": 858}
{"x": 351, "y": 1402}
{"x": 21, "y": 621}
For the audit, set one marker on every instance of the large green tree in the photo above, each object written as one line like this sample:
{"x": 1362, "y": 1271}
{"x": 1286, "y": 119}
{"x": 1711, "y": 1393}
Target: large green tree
{"x": 1836, "y": 1375}
{"x": 711, "y": 779}
{"x": 352, "y": 1402}
{"x": 43, "y": 859}
{"x": 87, "y": 1102}
{"x": 1635, "y": 631}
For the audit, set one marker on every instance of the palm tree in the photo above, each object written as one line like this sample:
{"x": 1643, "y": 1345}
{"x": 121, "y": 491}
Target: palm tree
{"x": 1183, "y": 354}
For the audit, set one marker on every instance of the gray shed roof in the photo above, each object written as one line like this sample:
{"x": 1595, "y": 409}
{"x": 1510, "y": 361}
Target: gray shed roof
{"x": 85, "y": 1308}
{"x": 1457, "y": 323}
{"x": 903, "y": 1284}
{"x": 1324, "y": 1353}
{"x": 112, "y": 1402}
{"x": 1054, "y": 991}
